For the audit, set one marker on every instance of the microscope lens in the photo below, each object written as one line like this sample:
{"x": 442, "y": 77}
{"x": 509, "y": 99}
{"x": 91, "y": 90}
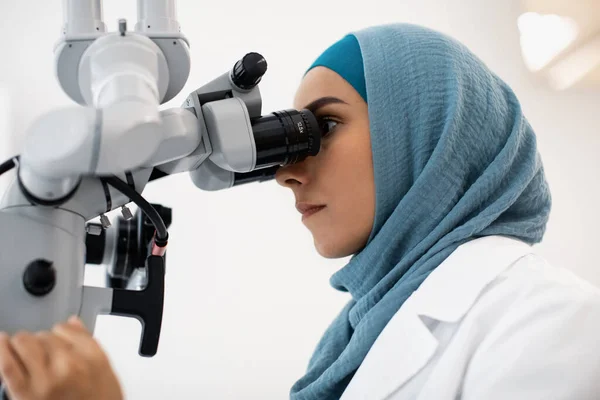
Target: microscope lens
{"x": 285, "y": 137}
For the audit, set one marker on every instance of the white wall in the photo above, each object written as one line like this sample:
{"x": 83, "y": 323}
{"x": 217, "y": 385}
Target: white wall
{"x": 5, "y": 138}
{"x": 247, "y": 296}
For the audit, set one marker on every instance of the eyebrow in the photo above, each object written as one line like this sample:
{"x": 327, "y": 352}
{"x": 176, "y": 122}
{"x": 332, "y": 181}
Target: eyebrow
{"x": 322, "y": 102}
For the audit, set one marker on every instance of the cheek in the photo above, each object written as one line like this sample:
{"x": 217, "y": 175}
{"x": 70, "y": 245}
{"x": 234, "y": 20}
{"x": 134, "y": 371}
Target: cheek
{"x": 347, "y": 173}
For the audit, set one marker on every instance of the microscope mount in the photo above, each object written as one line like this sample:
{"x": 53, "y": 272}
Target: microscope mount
{"x": 80, "y": 162}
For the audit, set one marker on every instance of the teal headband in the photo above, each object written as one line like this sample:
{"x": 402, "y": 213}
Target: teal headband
{"x": 345, "y": 58}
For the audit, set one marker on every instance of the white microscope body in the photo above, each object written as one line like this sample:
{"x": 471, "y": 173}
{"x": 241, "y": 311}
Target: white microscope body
{"x": 82, "y": 161}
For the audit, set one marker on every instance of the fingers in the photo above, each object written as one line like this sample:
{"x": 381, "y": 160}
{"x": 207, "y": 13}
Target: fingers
{"x": 70, "y": 363}
{"x": 48, "y": 362}
{"x": 55, "y": 344}
{"x": 32, "y": 353}
{"x": 62, "y": 355}
{"x": 55, "y": 347}
{"x": 78, "y": 323}
{"x": 75, "y": 333}
{"x": 13, "y": 373}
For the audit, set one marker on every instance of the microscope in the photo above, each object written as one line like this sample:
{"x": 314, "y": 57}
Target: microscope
{"x": 80, "y": 162}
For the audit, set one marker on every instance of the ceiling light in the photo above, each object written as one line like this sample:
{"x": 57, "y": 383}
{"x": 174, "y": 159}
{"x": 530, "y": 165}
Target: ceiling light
{"x": 543, "y": 37}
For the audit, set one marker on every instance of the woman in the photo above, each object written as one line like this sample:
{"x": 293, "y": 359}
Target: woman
{"x": 430, "y": 178}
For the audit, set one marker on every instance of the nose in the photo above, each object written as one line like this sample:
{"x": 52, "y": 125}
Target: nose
{"x": 292, "y": 176}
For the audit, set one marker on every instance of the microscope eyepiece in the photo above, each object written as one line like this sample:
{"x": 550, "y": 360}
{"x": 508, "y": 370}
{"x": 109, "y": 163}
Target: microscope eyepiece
{"x": 247, "y": 146}
{"x": 285, "y": 137}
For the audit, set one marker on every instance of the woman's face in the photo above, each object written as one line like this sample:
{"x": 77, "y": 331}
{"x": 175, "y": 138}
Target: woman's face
{"x": 339, "y": 178}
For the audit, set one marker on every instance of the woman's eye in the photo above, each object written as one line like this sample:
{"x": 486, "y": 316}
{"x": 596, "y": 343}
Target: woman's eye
{"x": 327, "y": 125}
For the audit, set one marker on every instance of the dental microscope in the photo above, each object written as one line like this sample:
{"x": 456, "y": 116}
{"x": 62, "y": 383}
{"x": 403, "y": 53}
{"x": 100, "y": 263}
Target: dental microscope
{"x": 80, "y": 162}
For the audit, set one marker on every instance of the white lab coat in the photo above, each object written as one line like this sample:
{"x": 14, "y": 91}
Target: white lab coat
{"x": 494, "y": 321}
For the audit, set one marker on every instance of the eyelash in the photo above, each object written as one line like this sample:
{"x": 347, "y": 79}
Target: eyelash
{"x": 327, "y": 119}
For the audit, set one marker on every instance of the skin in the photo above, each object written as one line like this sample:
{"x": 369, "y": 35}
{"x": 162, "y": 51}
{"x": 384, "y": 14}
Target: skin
{"x": 64, "y": 363}
{"x": 68, "y": 363}
{"x": 340, "y": 176}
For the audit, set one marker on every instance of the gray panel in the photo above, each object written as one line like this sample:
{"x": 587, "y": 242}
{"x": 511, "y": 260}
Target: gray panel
{"x": 96, "y": 301}
{"x": 67, "y": 67}
{"x": 231, "y": 136}
{"x": 211, "y": 178}
{"x": 178, "y": 57}
{"x": 29, "y": 233}
{"x": 175, "y": 48}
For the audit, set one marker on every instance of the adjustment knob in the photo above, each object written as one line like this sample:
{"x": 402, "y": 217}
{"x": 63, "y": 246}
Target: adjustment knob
{"x": 39, "y": 277}
{"x": 248, "y": 71}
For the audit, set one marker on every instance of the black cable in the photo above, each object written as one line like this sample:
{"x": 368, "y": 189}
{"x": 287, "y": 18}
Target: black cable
{"x": 130, "y": 180}
{"x": 162, "y": 235}
{"x": 8, "y": 165}
{"x": 107, "y": 196}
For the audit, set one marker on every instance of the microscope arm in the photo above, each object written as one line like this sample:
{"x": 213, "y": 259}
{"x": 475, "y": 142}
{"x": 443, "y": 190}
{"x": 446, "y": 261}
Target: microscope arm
{"x": 81, "y": 162}
{"x": 56, "y": 234}
{"x": 180, "y": 137}
{"x": 123, "y": 78}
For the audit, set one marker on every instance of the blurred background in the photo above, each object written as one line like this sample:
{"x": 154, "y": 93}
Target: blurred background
{"x": 247, "y": 295}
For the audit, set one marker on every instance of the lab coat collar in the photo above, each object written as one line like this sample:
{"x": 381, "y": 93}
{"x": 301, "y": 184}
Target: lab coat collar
{"x": 406, "y": 344}
{"x": 454, "y": 286}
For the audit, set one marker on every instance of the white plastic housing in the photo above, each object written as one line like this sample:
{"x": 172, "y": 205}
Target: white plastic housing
{"x": 82, "y": 16}
{"x": 157, "y": 16}
{"x": 230, "y": 130}
{"x": 119, "y": 67}
{"x": 58, "y": 147}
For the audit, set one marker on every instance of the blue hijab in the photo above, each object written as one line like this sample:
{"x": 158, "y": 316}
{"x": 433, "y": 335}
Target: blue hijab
{"x": 454, "y": 159}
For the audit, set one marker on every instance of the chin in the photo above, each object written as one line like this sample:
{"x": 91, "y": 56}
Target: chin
{"x": 332, "y": 250}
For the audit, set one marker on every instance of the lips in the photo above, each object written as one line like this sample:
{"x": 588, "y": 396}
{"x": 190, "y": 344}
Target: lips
{"x": 307, "y": 208}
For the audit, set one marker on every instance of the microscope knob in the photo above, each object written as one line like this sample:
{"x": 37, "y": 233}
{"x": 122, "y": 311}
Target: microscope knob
{"x": 248, "y": 71}
{"x": 39, "y": 277}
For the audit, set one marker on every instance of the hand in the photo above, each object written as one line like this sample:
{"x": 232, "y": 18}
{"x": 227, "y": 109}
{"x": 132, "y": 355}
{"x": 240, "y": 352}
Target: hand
{"x": 66, "y": 363}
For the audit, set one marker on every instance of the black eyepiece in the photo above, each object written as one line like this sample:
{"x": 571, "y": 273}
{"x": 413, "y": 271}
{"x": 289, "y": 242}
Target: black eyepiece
{"x": 285, "y": 137}
{"x": 257, "y": 175}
